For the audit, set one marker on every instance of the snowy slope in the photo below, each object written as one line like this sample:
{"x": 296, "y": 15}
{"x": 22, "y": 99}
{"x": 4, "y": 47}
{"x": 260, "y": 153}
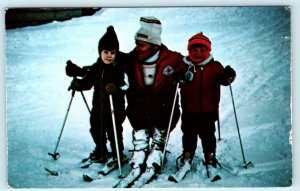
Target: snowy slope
{"x": 255, "y": 41}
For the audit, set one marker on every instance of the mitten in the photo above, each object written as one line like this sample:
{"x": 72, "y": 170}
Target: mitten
{"x": 74, "y": 85}
{"x": 229, "y": 74}
{"x": 73, "y": 70}
{"x": 111, "y": 88}
{"x": 182, "y": 78}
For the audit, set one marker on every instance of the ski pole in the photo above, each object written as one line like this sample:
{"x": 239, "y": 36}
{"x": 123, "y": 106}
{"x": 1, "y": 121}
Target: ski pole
{"x": 169, "y": 126}
{"x": 83, "y": 97}
{"x": 249, "y": 164}
{"x": 55, "y": 155}
{"x": 85, "y": 102}
{"x": 219, "y": 127}
{"x": 115, "y": 134}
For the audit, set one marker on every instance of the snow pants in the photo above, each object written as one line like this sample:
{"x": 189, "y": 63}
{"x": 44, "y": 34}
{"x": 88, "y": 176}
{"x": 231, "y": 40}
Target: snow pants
{"x": 102, "y": 129}
{"x": 202, "y": 125}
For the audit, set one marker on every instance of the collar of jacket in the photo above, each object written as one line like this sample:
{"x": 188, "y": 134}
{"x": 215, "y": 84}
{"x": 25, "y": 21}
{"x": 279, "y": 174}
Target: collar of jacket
{"x": 204, "y": 62}
{"x": 152, "y": 58}
{"x": 102, "y": 64}
{"x": 192, "y": 65}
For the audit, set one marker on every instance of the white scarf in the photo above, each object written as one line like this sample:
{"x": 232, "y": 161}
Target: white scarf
{"x": 153, "y": 58}
{"x": 191, "y": 64}
{"x": 150, "y": 69}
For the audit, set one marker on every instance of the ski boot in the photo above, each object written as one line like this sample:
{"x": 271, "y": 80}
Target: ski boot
{"x": 112, "y": 164}
{"x": 137, "y": 162}
{"x": 154, "y": 160}
{"x": 183, "y": 165}
{"x": 95, "y": 157}
{"x": 153, "y": 166}
{"x": 212, "y": 167}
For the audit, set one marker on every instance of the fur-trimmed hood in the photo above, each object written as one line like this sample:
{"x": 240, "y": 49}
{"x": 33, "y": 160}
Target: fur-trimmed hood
{"x": 192, "y": 65}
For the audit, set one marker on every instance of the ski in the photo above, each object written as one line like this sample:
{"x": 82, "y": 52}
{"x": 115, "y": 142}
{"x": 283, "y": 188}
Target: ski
{"x": 150, "y": 174}
{"x": 108, "y": 167}
{"x": 181, "y": 173}
{"x": 103, "y": 172}
{"x": 127, "y": 181}
{"x": 85, "y": 163}
{"x": 52, "y": 172}
{"x": 145, "y": 178}
{"x": 212, "y": 172}
{"x": 90, "y": 178}
{"x": 216, "y": 178}
{"x": 82, "y": 165}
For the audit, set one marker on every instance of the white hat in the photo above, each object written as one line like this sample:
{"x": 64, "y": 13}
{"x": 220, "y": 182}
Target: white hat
{"x": 150, "y": 30}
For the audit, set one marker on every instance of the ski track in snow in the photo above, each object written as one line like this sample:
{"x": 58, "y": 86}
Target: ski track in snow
{"x": 256, "y": 46}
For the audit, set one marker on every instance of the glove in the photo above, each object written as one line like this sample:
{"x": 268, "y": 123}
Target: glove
{"x": 73, "y": 70}
{"x": 229, "y": 74}
{"x": 189, "y": 76}
{"x": 182, "y": 78}
{"x": 86, "y": 69}
{"x": 111, "y": 88}
{"x": 74, "y": 85}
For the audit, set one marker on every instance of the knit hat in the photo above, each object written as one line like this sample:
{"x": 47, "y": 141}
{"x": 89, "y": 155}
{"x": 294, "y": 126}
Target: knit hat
{"x": 199, "y": 38}
{"x": 109, "y": 40}
{"x": 150, "y": 30}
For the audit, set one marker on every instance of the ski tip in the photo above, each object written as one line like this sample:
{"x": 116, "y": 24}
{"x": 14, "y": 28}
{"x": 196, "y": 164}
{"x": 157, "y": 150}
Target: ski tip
{"x": 121, "y": 176}
{"x": 216, "y": 178}
{"x": 87, "y": 178}
{"x": 116, "y": 184}
{"x": 85, "y": 166}
{"x": 102, "y": 173}
{"x": 85, "y": 160}
{"x": 51, "y": 172}
{"x": 172, "y": 179}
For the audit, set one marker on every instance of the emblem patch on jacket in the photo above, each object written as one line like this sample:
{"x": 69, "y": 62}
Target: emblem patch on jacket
{"x": 168, "y": 70}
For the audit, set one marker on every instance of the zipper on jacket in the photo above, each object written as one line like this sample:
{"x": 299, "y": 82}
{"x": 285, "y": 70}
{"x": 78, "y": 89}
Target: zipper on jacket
{"x": 201, "y": 89}
{"x": 101, "y": 80}
{"x": 101, "y": 103}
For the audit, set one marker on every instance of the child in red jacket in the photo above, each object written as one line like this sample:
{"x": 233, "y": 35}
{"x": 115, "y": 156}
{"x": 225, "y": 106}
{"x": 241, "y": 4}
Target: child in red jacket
{"x": 200, "y": 99}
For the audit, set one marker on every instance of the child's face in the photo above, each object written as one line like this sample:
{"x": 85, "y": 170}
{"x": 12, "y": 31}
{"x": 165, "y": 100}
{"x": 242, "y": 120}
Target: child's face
{"x": 108, "y": 56}
{"x": 198, "y": 53}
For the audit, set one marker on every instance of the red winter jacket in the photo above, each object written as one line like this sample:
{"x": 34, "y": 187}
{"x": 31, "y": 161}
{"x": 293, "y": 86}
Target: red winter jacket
{"x": 150, "y": 106}
{"x": 202, "y": 94}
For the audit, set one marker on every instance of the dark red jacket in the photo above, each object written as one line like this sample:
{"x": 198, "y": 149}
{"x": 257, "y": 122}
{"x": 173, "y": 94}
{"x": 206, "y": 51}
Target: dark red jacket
{"x": 202, "y": 94}
{"x": 150, "y": 106}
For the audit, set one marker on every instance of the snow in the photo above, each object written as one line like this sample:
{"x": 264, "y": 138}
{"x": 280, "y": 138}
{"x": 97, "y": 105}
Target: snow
{"x": 255, "y": 41}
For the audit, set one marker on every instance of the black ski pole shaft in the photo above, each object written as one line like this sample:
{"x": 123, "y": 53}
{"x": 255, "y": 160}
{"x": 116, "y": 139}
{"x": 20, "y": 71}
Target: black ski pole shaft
{"x": 55, "y": 154}
{"x": 219, "y": 127}
{"x": 115, "y": 133}
{"x": 83, "y": 97}
{"x": 85, "y": 102}
{"x": 169, "y": 126}
{"x": 237, "y": 125}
